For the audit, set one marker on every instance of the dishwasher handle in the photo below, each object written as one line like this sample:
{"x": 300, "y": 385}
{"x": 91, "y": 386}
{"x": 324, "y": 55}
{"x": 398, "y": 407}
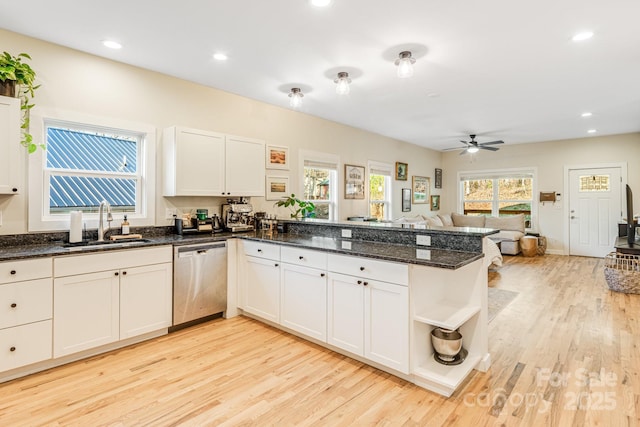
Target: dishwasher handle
{"x": 191, "y": 250}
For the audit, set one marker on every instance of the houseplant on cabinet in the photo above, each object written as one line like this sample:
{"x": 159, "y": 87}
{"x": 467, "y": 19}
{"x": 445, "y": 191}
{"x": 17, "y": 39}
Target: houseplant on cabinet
{"x": 17, "y": 79}
{"x": 299, "y": 208}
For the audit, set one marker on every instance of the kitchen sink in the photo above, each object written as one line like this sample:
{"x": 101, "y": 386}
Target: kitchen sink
{"x": 92, "y": 244}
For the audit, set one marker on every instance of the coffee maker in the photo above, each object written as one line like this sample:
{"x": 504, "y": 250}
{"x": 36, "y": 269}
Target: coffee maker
{"x": 237, "y": 216}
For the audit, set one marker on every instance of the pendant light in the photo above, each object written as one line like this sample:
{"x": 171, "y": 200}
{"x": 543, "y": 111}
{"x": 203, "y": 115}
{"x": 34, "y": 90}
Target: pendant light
{"x": 405, "y": 64}
{"x": 342, "y": 83}
{"x": 296, "y": 98}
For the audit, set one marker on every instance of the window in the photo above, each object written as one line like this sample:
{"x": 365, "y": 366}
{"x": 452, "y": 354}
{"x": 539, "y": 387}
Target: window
{"x": 498, "y": 194}
{"x": 380, "y": 190}
{"x": 87, "y": 162}
{"x": 320, "y": 183}
{"x": 592, "y": 183}
{"x": 84, "y": 167}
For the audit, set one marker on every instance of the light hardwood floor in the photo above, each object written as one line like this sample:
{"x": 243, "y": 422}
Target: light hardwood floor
{"x": 565, "y": 353}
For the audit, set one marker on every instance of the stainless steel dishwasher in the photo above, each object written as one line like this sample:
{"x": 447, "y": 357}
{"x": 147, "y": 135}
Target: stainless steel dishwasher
{"x": 199, "y": 282}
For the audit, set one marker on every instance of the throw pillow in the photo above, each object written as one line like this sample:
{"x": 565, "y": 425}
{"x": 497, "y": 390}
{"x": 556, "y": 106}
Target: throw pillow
{"x": 446, "y": 220}
{"x": 434, "y": 221}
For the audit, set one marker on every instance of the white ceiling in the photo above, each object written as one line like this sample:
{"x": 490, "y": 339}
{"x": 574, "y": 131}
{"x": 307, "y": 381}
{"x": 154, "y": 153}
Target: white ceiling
{"x": 503, "y": 69}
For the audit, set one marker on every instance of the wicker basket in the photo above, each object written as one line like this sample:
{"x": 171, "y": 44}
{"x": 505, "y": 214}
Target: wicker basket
{"x": 622, "y": 272}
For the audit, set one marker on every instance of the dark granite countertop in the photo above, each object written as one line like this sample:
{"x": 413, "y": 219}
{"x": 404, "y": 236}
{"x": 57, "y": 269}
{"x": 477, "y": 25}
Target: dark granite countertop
{"x": 378, "y": 250}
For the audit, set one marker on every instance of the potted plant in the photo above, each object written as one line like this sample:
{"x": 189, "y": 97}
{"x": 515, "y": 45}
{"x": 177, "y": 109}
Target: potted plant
{"x": 299, "y": 208}
{"x": 17, "y": 79}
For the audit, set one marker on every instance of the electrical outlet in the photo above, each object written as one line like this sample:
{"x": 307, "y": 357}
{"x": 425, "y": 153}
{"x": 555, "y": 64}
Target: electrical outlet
{"x": 346, "y": 234}
{"x": 170, "y": 213}
{"x": 423, "y": 240}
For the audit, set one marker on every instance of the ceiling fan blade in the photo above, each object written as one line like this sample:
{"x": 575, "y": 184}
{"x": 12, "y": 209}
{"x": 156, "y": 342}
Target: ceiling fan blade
{"x": 463, "y": 152}
{"x": 492, "y": 143}
{"x": 488, "y": 148}
{"x": 465, "y": 142}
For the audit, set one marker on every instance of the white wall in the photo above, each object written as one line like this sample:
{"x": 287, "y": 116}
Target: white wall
{"x": 550, "y": 159}
{"x": 77, "y": 82}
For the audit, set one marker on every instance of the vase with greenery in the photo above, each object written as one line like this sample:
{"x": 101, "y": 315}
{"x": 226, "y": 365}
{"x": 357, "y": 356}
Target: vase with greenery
{"x": 299, "y": 208}
{"x": 17, "y": 80}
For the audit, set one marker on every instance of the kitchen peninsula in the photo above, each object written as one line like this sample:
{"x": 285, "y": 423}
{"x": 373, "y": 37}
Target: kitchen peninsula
{"x": 372, "y": 291}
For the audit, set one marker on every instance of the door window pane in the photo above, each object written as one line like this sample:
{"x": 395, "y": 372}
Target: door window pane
{"x": 594, "y": 183}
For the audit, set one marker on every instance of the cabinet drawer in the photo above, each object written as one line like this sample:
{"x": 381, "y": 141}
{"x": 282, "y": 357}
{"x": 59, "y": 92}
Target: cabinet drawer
{"x": 261, "y": 250}
{"x": 16, "y": 271}
{"x": 369, "y": 268}
{"x": 111, "y": 260}
{"x": 25, "y": 302}
{"x": 304, "y": 257}
{"x": 24, "y": 345}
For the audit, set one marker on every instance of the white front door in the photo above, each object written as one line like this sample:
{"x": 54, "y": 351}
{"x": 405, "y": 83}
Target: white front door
{"x": 594, "y": 210}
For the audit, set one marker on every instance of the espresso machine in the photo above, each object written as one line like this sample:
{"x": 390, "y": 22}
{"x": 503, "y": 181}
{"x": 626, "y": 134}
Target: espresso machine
{"x": 237, "y": 216}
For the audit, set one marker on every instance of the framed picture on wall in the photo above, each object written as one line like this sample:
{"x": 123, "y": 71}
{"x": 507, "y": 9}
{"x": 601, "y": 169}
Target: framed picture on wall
{"x": 353, "y": 182}
{"x": 406, "y": 200}
{"x": 277, "y": 157}
{"x": 435, "y": 202}
{"x": 277, "y": 187}
{"x": 402, "y": 170}
{"x": 420, "y": 188}
{"x": 438, "y": 178}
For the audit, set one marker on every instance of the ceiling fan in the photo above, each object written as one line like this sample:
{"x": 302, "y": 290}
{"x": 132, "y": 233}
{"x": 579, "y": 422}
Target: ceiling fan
{"x": 473, "y": 146}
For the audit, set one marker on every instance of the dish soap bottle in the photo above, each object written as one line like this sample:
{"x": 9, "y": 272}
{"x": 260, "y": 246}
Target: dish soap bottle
{"x": 125, "y": 226}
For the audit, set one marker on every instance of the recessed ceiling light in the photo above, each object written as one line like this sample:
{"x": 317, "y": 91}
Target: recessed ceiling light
{"x": 586, "y": 35}
{"x": 111, "y": 44}
{"x": 586, "y": 114}
{"x": 320, "y": 3}
{"x": 220, "y": 57}
{"x": 592, "y": 131}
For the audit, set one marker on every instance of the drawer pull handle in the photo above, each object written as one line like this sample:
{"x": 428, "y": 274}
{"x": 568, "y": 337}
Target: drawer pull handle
{"x": 13, "y": 272}
{"x": 12, "y": 349}
{"x": 322, "y": 274}
{"x": 259, "y": 250}
{"x": 14, "y": 189}
{"x": 300, "y": 257}
{"x": 276, "y": 264}
{"x": 365, "y": 283}
{"x": 361, "y": 268}
{"x": 14, "y": 305}
{"x": 359, "y": 282}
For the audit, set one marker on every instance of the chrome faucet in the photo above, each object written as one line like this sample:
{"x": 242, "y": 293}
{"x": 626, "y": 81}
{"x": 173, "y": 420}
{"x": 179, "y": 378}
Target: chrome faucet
{"x": 101, "y": 229}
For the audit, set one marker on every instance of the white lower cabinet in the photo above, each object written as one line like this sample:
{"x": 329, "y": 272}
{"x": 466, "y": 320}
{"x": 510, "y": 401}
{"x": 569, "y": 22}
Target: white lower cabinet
{"x": 94, "y": 309}
{"x": 370, "y": 318}
{"x": 145, "y": 299}
{"x": 86, "y": 310}
{"x": 26, "y": 295}
{"x": 303, "y": 300}
{"x": 262, "y": 288}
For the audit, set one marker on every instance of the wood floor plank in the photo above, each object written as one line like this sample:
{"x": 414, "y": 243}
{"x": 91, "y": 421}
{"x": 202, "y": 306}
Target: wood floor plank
{"x": 564, "y": 352}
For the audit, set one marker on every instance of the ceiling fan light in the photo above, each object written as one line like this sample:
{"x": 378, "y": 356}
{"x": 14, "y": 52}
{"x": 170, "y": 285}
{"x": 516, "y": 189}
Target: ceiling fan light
{"x": 295, "y": 96}
{"x": 472, "y": 150}
{"x": 320, "y": 3}
{"x": 585, "y": 35}
{"x": 342, "y": 83}
{"x": 405, "y": 64}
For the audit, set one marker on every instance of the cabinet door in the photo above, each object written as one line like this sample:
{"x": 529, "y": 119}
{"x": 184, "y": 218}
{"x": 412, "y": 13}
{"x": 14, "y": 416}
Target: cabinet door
{"x": 346, "y": 313}
{"x": 386, "y": 326}
{"x": 194, "y": 162}
{"x": 245, "y": 169}
{"x": 85, "y": 311}
{"x": 304, "y": 301}
{"x": 10, "y": 171}
{"x": 262, "y": 288}
{"x": 145, "y": 299}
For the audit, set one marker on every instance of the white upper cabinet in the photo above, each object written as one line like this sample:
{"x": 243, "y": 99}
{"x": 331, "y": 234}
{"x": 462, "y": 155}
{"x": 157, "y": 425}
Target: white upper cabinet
{"x": 203, "y": 163}
{"x": 10, "y": 170}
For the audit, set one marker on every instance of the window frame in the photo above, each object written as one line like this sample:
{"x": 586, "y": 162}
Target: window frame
{"x": 387, "y": 171}
{"x": 495, "y": 175}
{"x": 40, "y": 219}
{"x": 330, "y": 160}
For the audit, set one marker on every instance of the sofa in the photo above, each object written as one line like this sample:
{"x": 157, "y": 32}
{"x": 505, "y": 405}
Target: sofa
{"x": 511, "y": 228}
